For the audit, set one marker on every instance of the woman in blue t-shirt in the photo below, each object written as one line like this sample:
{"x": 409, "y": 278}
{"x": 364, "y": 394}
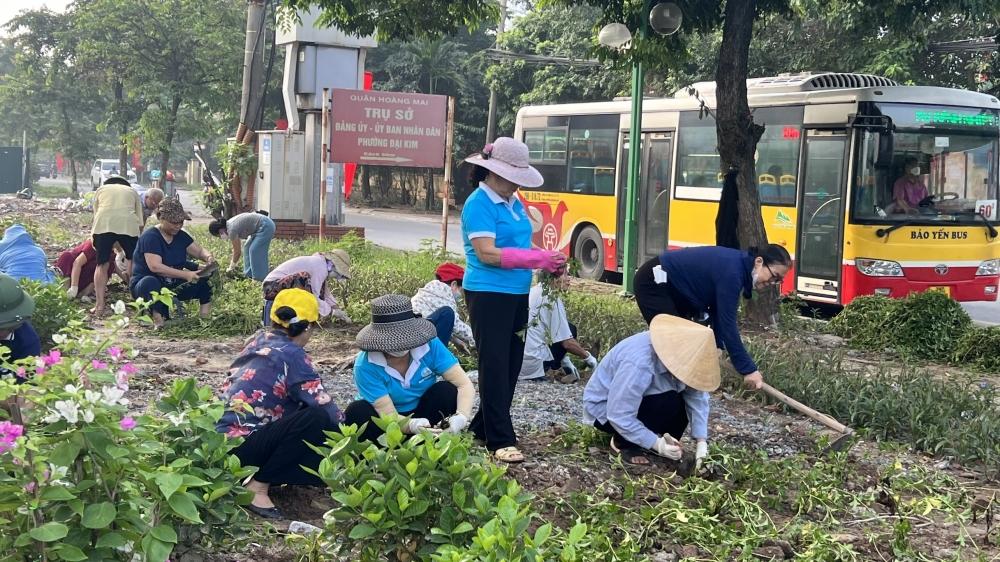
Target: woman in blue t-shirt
{"x": 161, "y": 261}
{"x": 497, "y": 236}
{"x": 404, "y": 369}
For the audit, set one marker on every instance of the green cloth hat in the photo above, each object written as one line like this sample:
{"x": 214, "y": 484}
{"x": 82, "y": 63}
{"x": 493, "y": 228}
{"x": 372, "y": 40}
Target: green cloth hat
{"x": 16, "y": 306}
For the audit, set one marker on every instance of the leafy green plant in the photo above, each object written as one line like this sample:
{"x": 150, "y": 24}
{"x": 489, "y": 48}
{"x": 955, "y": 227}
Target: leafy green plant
{"x": 54, "y": 311}
{"x": 957, "y": 417}
{"x": 870, "y": 322}
{"x": 83, "y": 479}
{"x": 603, "y": 320}
{"x": 403, "y": 500}
{"x": 929, "y": 325}
{"x": 979, "y": 348}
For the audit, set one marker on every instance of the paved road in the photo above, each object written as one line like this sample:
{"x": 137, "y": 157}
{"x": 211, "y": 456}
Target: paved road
{"x": 405, "y": 231}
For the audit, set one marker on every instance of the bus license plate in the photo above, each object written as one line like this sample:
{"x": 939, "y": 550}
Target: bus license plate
{"x": 945, "y": 290}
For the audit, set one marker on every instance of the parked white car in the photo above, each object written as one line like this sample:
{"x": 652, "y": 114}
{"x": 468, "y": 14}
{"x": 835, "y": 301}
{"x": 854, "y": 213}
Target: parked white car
{"x": 105, "y": 167}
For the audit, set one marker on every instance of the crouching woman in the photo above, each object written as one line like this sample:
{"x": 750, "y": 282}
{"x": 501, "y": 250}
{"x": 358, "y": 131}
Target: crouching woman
{"x": 651, "y": 386}
{"x": 277, "y": 403}
{"x": 398, "y": 372}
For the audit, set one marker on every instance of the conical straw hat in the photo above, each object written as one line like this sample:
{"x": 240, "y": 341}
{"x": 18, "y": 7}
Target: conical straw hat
{"x": 687, "y": 350}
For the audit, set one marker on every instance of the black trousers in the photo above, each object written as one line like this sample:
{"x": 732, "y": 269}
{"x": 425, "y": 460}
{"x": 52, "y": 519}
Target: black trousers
{"x": 439, "y": 402}
{"x": 558, "y": 351}
{"x": 658, "y": 298}
{"x": 280, "y": 451}
{"x": 497, "y": 319}
{"x": 660, "y": 413}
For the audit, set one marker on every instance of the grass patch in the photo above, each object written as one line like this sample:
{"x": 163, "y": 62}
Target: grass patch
{"x": 52, "y": 190}
{"x": 747, "y": 506}
{"x": 958, "y": 416}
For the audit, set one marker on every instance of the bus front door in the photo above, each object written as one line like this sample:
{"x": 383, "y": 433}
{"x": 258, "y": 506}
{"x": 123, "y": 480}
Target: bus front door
{"x": 654, "y": 195}
{"x": 821, "y": 219}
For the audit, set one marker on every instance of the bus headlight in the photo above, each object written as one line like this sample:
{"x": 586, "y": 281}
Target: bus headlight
{"x": 879, "y": 268}
{"x": 989, "y": 267}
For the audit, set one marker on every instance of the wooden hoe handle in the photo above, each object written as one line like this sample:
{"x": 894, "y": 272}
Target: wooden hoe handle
{"x": 806, "y": 410}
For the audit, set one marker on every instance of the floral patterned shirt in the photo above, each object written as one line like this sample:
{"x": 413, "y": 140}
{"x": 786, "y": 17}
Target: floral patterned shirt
{"x": 271, "y": 378}
{"x": 435, "y": 295}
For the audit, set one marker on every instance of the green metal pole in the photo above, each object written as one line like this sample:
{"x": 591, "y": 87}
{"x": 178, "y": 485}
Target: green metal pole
{"x": 631, "y": 243}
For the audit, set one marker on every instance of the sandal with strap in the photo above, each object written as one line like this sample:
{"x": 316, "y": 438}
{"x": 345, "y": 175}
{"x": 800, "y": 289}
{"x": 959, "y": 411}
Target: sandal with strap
{"x": 631, "y": 455}
{"x": 509, "y": 455}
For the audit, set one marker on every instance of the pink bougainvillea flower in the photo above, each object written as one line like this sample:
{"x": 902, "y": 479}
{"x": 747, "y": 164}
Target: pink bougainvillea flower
{"x": 127, "y": 423}
{"x": 98, "y": 365}
{"x": 21, "y": 373}
{"x": 40, "y": 371}
{"x": 30, "y": 487}
{"x": 9, "y": 432}
{"x": 52, "y": 358}
{"x": 129, "y": 369}
{"x": 115, "y": 352}
{"x": 121, "y": 381}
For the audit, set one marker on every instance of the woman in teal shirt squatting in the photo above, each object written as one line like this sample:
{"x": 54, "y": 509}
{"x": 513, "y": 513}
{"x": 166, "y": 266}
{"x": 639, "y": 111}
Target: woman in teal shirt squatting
{"x": 398, "y": 371}
{"x": 499, "y": 258}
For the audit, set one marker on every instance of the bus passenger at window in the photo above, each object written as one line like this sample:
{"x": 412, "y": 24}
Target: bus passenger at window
{"x": 909, "y": 191}
{"x": 707, "y": 281}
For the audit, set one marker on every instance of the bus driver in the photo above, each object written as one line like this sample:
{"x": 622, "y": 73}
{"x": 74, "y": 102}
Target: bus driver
{"x": 908, "y": 191}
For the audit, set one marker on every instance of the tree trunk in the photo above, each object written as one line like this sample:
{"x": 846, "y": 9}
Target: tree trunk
{"x": 68, "y": 138}
{"x": 175, "y": 104}
{"x": 72, "y": 165}
{"x": 428, "y": 203}
{"x": 738, "y": 136}
{"x": 122, "y": 129}
{"x": 366, "y": 183}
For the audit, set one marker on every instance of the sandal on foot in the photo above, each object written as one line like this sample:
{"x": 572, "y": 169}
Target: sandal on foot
{"x": 509, "y": 455}
{"x": 631, "y": 455}
{"x": 265, "y": 512}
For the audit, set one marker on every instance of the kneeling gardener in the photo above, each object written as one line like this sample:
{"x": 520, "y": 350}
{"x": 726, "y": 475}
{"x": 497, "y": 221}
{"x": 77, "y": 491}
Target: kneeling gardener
{"x": 650, "y": 386}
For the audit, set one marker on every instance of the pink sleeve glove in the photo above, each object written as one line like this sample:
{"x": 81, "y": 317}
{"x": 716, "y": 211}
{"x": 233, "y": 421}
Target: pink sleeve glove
{"x": 516, "y": 258}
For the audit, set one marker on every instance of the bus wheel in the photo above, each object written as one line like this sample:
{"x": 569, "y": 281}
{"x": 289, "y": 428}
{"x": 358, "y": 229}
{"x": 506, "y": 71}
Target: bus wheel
{"x": 589, "y": 251}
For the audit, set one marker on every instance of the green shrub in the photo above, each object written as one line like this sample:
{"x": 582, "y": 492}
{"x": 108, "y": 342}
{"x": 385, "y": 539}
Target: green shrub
{"x": 603, "y": 320}
{"x": 980, "y": 348}
{"x": 869, "y": 322}
{"x": 54, "y": 311}
{"x": 84, "y": 480}
{"x": 404, "y": 500}
{"x": 929, "y": 325}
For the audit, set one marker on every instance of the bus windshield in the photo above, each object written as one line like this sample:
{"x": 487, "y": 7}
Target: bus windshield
{"x": 938, "y": 165}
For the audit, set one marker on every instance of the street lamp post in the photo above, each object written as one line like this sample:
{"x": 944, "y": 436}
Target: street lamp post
{"x": 666, "y": 20}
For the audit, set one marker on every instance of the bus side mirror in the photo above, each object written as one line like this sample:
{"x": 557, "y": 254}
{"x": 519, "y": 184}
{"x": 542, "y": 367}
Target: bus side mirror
{"x": 885, "y": 148}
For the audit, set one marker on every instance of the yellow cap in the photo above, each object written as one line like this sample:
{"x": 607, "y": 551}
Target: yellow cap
{"x": 303, "y": 302}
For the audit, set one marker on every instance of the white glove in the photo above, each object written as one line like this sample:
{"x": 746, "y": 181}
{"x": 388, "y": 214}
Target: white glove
{"x": 414, "y": 426}
{"x": 72, "y": 292}
{"x": 700, "y": 452}
{"x": 667, "y": 446}
{"x": 569, "y": 367}
{"x": 457, "y": 423}
{"x": 591, "y": 362}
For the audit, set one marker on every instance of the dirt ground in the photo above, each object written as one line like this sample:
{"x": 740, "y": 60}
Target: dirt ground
{"x": 553, "y": 470}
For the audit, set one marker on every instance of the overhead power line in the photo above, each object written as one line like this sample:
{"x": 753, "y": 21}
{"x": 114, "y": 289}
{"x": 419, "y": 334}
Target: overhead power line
{"x": 500, "y": 54}
{"x": 977, "y": 44}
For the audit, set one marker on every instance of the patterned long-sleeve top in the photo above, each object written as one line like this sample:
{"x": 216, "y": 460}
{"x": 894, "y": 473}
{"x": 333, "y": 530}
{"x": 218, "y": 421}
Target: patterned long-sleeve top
{"x": 435, "y": 295}
{"x": 271, "y": 378}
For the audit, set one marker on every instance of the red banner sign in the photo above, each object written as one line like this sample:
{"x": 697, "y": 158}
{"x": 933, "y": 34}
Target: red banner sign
{"x": 388, "y": 128}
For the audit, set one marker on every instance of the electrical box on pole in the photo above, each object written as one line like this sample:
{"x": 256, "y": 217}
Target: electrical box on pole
{"x": 318, "y": 58}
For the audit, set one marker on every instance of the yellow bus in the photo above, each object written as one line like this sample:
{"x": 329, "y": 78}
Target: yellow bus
{"x": 831, "y": 180}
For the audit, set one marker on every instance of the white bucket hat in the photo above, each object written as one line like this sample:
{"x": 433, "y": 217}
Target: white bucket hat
{"x": 687, "y": 350}
{"x": 508, "y": 158}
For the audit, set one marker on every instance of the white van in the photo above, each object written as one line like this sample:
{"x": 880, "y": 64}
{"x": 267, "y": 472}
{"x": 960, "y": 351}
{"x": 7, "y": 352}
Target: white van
{"x": 105, "y": 167}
